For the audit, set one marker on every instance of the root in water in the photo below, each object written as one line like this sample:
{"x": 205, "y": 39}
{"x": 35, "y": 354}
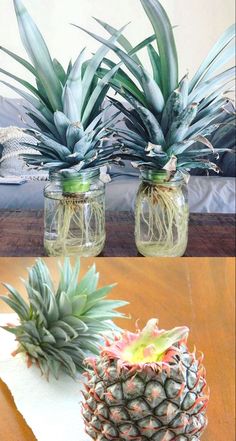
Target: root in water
{"x": 74, "y": 225}
{"x": 161, "y": 221}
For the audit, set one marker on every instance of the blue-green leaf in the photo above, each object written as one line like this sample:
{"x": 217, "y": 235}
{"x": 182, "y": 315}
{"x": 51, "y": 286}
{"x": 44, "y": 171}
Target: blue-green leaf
{"x": 166, "y": 44}
{"x": 39, "y": 54}
{"x": 220, "y": 45}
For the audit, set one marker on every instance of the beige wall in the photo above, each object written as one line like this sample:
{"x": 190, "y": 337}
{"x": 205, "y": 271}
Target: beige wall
{"x": 200, "y": 22}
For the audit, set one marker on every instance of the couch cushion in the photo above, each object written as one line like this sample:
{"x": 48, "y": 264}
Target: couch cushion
{"x": 12, "y": 113}
{"x": 206, "y": 194}
{"x": 11, "y": 163}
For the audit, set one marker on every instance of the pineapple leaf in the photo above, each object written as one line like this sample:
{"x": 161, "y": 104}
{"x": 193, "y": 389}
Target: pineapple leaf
{"x": 75, "y": 323}
{"x": 184, "y": 90}
{"x": 74, "y": 82}
{"x": 173, "y": 108}
{"x": 43, "y": 122}
{"x": 122, "y": 40}
{"x": 59, "y": 70}
{"x": 98, "y": 295}
{"x": 223, "y": 58}
{"x": 15, "y": 295}
{"x": 24, "y": 83}
{"x": 78, "y": 304}
{"x": 97, "y": 93}
{"x": 95, "y": 62}
{"x": 152, "y": 93}
{"x": 156, "y": 64}
{"x": 179, "y": 128}
{"x": 142, "y": 45}
{"x": 64, "y": 305}
{"x": 70, "y": 107}
{"x": 20, "y": 60}
{"x": 208, "y": 87}
{"x": 37, "y": 104}
{"x": 62, "y": 123}
{"x": 16, "y": 306}
{"x": 88, "y": 283}
{"x": 127, "y": 60}
{"x": 39, "y": 54}
{"x": 149, "y": 121}
{"x": 215, "y": 52}
{"x": 121, "y": 80}
{"x": 199, "y": 126}
{"x": 129, "y": 116}
{"x": 166, "y": 44}
{"x": 72, "y": 283}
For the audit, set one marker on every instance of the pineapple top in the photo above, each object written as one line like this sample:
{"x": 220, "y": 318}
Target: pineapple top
{"x": 171, "y": 119}
{"x": 60, "y": 326}
{"x": 65, "y": 104}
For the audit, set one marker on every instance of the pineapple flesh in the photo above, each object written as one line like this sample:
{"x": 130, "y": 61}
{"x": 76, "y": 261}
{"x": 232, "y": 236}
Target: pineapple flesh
{"x": 146, "y": 386}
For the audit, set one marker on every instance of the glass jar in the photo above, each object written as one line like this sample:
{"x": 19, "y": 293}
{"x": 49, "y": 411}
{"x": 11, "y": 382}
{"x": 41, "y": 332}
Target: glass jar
{"x": 161, "y": 215}
{"x": 74, "y": 219}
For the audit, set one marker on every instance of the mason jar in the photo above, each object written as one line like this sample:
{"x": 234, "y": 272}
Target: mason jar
{"x": 74, "y": 214}
{"x": 161, "y": 214}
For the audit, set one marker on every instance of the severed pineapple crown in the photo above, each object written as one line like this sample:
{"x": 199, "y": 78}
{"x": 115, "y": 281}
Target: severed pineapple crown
{"x": 60, "y": 326}
{"x": 65, "y": 104}
{"x": 170, "y": 119}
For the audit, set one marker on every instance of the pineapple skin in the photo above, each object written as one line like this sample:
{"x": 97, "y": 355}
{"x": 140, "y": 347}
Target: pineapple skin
{"x": 146, "y": 402}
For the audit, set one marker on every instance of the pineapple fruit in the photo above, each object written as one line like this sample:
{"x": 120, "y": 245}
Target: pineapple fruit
{"x": 60, "y": 326}
{"x": 146, "y": 386}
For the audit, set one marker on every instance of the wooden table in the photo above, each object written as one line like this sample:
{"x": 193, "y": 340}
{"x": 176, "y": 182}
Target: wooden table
{"x": 198, "y": 293}
{"x": 21, "y": 234}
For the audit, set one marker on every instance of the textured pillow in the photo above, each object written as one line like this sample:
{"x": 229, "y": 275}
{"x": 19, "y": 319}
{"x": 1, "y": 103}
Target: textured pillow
{"x": 13, "y": 113}
{"x": 11, "y": 163}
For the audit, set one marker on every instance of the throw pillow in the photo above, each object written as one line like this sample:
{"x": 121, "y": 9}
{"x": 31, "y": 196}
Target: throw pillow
{"x": 11, "y": 163}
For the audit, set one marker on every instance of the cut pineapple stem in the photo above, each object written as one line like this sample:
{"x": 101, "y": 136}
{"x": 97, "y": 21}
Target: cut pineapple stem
{"x": 75, "y": 185}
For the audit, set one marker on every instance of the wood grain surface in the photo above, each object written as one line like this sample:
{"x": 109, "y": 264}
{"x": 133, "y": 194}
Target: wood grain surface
{"x": 195, "y": 292}
{"x": 21, "y": 234}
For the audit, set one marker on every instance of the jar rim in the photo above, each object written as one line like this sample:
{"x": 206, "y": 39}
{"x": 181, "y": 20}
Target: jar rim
{"x": 64, "y": 175}
{"x": 163, "y": 177}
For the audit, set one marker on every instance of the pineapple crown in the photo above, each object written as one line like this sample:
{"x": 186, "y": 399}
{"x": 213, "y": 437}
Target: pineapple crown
{"x": 148, "y": 347}
{"x": 170, "y": 120}
{"x": 66, "y": 105}
{"x": 59, "y": 327}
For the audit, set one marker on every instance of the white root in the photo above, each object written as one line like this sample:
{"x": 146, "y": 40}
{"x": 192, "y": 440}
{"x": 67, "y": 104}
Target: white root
{"x": 161, "y": 224}
{"x": 80, "y": 227}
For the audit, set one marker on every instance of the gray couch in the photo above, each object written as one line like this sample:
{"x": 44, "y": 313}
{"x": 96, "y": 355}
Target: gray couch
{"x": 212, "y": 194}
